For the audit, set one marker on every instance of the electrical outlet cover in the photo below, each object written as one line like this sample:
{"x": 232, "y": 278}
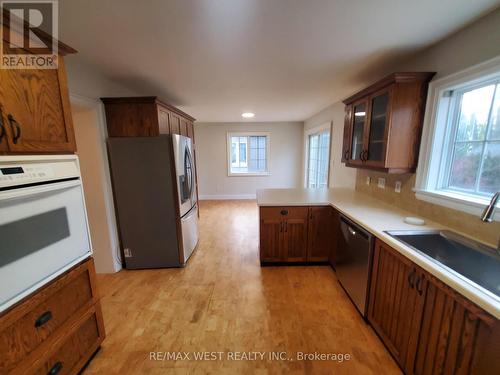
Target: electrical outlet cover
{"x": 381, "y": 183}
{"x": 397, "y": 187}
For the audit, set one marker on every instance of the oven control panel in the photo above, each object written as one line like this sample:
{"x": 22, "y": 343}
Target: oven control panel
{"x": 15, "y": 172}
{"x": 25, "y": 173}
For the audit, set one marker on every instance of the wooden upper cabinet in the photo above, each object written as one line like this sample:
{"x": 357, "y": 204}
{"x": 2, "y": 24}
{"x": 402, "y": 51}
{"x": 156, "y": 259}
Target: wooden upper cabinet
{"x": 383, "y": 123}
{"x": 175, "y": 123}
{"x": 144, "y": 117}
{"x": 35, "y": 109}
{"x": 427, "y": 326}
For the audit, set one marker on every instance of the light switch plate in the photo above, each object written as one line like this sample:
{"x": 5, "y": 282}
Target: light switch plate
{"x": 397, "y": 187}
{"x": 381, "y": 183}
{"x": 368, "y": 180}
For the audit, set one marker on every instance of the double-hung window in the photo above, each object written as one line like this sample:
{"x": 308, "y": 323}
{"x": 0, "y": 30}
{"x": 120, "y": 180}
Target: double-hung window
{"x": 248, "y": 154}
{"x": 459, "y": 164}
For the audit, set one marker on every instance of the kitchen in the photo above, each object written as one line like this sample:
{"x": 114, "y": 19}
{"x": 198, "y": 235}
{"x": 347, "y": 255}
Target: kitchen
{"x": 276, "y": 192}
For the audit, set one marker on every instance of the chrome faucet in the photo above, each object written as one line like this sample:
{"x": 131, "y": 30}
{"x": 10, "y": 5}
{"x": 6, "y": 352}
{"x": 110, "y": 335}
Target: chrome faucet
{"x": 489, "y": 211}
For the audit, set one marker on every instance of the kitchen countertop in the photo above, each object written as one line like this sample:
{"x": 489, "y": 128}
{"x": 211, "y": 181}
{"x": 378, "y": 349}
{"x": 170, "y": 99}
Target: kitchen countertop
{"x": 377, "y": 217}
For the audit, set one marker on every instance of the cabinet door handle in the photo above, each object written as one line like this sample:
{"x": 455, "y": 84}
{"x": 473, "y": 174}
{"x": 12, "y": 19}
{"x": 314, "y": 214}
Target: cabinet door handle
{"x": 346, "y": 154}
{"x": 286, "y": 226}
{"x": 44, "y": 318}
{"x": 418, "y": 285}
{"x": 16, "y": 128}
{"x": 281, "y": 227}
{"x": 284, "y": 212}
{"x": 411, "y": 278}
{"x": 361, "y": 155}
{"x": 55, "y": 369}
{"x": 365, "y": 155}
{"x": 2, "y": 128}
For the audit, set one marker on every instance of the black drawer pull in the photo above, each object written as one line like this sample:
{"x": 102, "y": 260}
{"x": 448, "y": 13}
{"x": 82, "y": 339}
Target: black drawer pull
{"x": 284, "y": 212}
{"x": 42, "y": 319}
{"x": 2, "y": 129}
{"x": 418, "y": 286}
{"x": 16, "y": 128}
{"x": 55, "y": 369}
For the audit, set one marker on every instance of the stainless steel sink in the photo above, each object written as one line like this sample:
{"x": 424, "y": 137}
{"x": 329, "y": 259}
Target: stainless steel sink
{"x": 469, "y": 259}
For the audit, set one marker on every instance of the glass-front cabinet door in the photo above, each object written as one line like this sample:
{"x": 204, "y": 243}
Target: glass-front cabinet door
{"x": 358, "y": 131}
{"x": 379, "y": 119}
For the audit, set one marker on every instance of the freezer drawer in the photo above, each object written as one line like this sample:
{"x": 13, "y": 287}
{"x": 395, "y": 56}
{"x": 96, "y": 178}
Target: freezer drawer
{"x": 189, "y": 225}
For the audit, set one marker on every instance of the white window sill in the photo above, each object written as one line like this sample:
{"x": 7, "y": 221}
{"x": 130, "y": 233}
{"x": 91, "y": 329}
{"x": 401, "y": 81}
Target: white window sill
{"x": 264, "y": 174}
{"x": 457, "y": 201}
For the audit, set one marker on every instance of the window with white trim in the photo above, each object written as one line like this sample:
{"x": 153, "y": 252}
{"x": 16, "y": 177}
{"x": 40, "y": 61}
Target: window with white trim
{"x": 459, "y": 164}
{"x": 248, "y": 154}
{"x": 318, "y": 153}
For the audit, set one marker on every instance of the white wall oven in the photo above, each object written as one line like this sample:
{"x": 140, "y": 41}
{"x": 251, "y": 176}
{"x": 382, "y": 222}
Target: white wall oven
{"x": 43, "y": 222}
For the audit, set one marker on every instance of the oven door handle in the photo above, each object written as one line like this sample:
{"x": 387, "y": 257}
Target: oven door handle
{"x": 24, "y": 192}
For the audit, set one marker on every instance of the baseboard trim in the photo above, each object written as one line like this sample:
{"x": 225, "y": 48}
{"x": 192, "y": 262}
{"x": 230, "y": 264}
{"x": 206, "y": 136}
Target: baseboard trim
{"x": 227, "y": 197}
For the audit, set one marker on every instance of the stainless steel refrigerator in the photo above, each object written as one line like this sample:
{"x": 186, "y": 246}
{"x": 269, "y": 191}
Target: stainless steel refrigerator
{"x": 154, "y": 189}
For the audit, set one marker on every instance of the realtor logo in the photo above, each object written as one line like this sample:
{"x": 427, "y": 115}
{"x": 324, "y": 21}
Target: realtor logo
{"x": 29, "y": 40}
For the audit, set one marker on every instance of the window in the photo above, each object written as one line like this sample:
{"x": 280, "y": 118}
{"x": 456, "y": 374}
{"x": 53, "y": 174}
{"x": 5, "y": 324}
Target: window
{"x": 459, "y": 164}
{"x": 475, "y": 152}
{"x": 248, "y": 154}
{"x": 318, "y": 159}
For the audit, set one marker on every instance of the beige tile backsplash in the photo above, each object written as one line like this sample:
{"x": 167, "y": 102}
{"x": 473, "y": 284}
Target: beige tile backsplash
{"x": 457, "y": 220}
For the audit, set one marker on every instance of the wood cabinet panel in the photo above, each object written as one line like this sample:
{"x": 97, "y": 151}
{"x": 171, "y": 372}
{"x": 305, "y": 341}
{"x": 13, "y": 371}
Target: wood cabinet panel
{"x": 389, "y": 137}
{"x": 29, "y": 324}
{"x": 163, "y": 122}
{"x": 36, "y": 110}
{"x": 37, "y": 326}
{"x": 394, "y": 305}
{"x": 3, "y": 132}
{"x": 271, "y": 234}
{"x": 346, "y": 140}
{"x": 145, "y": 116}
{"x": 283, "y": 234}
{"x": 450, "y": 337}
{"x": 322, "y": 235}
{"x": 190, "y": 130}
{"x": 175, "y": 123}
{"x": 427, "y": 326}
{"x": 70, "y": 354}
{"x": 184, "y": 127}
{"x": 295, "y": 239}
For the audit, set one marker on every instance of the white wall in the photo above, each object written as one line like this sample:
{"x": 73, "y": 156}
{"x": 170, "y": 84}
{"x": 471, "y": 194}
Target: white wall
{"x": 472, "y": 45}
{"x": 340, "y": 175}
{"x": 478, "y": 42}
{"x": 94, "y": 170}
{"x": 86, "y": 85}
{"x": 211, "y": 157}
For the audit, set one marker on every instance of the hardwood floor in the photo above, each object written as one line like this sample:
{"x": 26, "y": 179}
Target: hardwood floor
{"x": 224, "y": 301}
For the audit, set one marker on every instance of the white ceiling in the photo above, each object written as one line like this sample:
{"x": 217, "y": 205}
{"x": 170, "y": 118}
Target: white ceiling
{"x": 282, "y": 59}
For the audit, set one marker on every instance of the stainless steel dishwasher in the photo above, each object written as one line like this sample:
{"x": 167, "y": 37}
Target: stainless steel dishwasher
{"x": 352, "y": 262}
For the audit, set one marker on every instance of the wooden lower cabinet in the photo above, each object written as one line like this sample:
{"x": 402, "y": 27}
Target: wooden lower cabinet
{"x": 60, "y": 325}
{"x": 296, "y": 233}
{"x": 322, "y": 225}
{"x": 427, "y": 326}
{"x": 295, "y": 222}
{"x": 271, "y": 234}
